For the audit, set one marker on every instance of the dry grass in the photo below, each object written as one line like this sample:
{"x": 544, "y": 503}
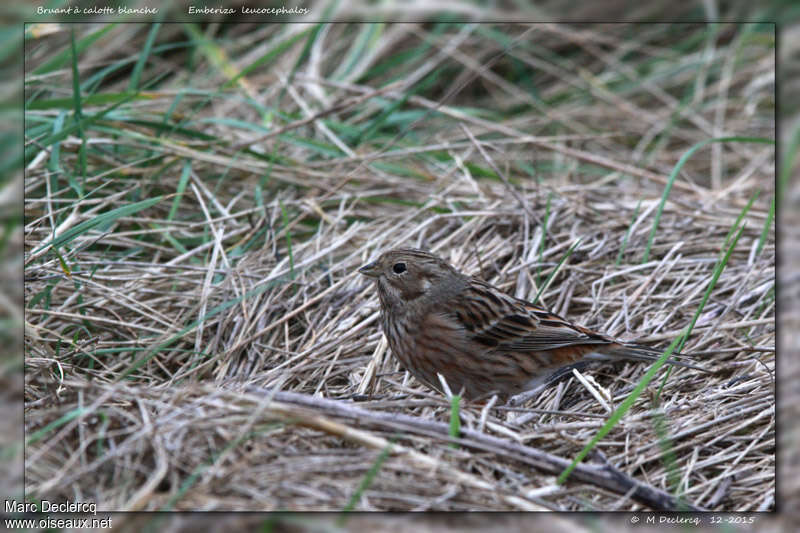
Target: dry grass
{"x": 150, "y": 367}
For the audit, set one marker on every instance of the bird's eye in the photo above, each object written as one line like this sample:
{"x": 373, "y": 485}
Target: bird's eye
{"x": 399, "y": 268}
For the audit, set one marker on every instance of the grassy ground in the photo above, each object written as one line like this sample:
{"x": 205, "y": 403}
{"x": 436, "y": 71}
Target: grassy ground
{"x": 199, "y": 197}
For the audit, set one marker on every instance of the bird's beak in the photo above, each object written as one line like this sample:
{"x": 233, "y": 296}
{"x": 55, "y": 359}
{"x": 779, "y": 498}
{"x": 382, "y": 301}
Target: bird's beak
{"x": 370, "y": 270}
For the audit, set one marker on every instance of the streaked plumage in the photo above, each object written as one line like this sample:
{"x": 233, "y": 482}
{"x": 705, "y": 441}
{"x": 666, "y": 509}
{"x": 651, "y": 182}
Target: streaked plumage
{"x": 437, "y": 320}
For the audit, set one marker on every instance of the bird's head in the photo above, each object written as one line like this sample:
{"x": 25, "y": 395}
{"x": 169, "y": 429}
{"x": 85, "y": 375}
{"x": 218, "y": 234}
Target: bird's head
{"x": 405, "y": 275}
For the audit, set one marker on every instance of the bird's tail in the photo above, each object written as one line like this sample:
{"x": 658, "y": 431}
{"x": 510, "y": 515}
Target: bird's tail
{"x": 637, "y": 352}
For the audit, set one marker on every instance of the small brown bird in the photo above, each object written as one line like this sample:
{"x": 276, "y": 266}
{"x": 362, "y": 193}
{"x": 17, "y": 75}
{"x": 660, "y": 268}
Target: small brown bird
{"x": 481, "y": 340}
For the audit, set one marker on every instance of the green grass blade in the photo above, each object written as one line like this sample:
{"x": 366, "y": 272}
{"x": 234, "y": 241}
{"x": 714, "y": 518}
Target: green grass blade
{"x": 367, "y": 37}
{"x": 678, "y": 342}
{"x": 722, "y": 260}
{"x": 555, "y": 271}
{"x": 714, "y": 278}
{"x": 201, "y": 468}
{"x": 76, "y": 98}
{"x": 268, "y": 58}
{"x": 62, "y": 58}
{"x": 617, "y": 415}
{"x": 369, "y": 477}
{"x": 89, "y": 100}
{"x": 674, "y": 174}
{"x": 99, "y": 220}
{"x": 136, "y": 75}
{"x": 55, "y": 424}
{"x": 455, "y": 419}
{"x": 149, "y": 354}
{"x": 184, "y": 180}
{"x": 65, "y": 132}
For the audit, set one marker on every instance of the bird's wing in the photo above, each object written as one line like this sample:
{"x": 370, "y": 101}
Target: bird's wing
{"x": 503, "y": 323}
{"x": 497, "y": 320}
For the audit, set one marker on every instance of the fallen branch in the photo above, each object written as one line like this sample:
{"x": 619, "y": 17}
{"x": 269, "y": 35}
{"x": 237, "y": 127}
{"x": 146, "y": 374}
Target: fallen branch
{"x": 603, "y": 475}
